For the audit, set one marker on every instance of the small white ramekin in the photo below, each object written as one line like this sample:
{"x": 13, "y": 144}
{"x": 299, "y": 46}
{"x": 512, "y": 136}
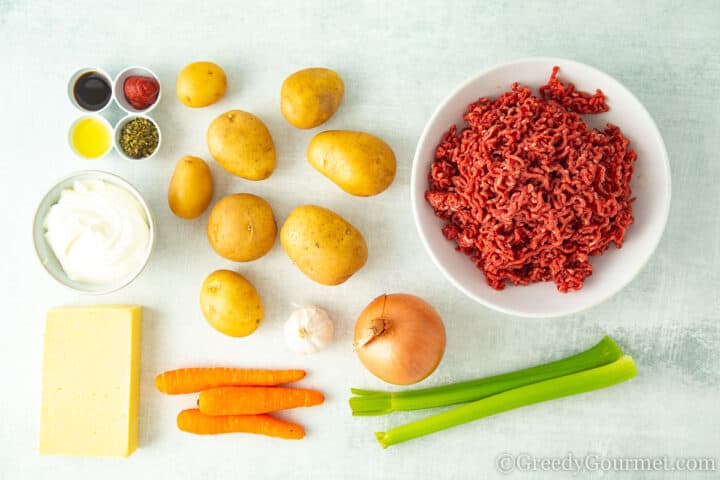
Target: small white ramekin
{"x": 119, "y": 88}
{"x": 100, "y": 119}
{"x": 74, "y": 78}
{"x": 118, "y": 131}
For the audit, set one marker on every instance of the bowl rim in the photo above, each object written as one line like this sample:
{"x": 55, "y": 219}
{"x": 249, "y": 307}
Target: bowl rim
{"x": 416, "y": 175}
{"x": 117, "y": 180}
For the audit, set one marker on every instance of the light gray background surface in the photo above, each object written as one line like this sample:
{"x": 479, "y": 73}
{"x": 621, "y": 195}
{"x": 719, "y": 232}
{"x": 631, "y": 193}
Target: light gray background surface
{"x": 398, "y": 60}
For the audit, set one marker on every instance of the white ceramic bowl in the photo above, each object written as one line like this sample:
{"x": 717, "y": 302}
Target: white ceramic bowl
{"x": 119, "y": 88}
{"x": 118, "y": 132}
{"x": 47, "y": 257}
{"x": 650, "y": 184}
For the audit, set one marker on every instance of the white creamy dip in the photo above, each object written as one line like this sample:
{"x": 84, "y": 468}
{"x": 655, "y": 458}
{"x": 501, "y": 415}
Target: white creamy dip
{"x": 98, "y": 231}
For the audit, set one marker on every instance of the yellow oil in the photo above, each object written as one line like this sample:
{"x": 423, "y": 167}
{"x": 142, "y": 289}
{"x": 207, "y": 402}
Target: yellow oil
{"x": 91, "y": 138}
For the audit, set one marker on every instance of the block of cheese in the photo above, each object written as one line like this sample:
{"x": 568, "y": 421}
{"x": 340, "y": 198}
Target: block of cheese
{"x": 91, "y": 373}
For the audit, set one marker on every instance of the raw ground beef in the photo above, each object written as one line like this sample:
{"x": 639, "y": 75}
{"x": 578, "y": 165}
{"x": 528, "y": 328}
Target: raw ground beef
{"x": 530, "y": 192}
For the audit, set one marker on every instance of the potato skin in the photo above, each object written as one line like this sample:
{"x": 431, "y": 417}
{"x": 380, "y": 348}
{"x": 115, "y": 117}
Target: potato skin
{"x": 241, "y": 143}
{"x": 230, "y": 303}
{"x": 241, "y": 227}
{"x": 358, "y": 162}
{"x": 323, "y": 245}
{"x": 191, "y": 188}
{"x": 200, "y": 84}
{"x": 309, "y": 97}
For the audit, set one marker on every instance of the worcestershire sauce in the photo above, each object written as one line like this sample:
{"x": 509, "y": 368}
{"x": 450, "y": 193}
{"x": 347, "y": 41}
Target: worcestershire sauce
{"x": 92, "y": 91}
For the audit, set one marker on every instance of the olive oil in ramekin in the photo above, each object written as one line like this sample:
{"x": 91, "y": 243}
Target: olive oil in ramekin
{"x": 91, "y": 137}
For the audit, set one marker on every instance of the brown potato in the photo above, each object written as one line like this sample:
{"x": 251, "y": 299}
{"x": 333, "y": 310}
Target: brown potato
{"x": 311, "y": 96}
{"x": 242, "y": 227}
{"x": 191, "y": 188}
{"x": 241, "y": 143}
{"x": 230, "y": 303}
{"x": 323, "y": 245}
{"x": 358, "y": 162}
{"x": 200, "y": 84}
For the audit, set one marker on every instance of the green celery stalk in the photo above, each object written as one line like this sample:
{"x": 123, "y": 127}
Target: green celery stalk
{"x": 372, "y": 402}
{"x": 588, "y": 380}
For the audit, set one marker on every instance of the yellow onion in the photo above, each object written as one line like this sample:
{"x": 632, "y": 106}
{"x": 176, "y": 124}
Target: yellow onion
{"x": 400, "y": 338}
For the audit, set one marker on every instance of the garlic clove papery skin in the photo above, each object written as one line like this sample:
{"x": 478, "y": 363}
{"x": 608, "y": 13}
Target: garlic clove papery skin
{"x": 308, "y": 330}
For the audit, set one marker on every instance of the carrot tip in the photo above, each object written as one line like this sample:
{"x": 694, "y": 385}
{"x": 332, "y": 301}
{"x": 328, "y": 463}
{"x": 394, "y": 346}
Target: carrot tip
{"x": 159, "y": 383}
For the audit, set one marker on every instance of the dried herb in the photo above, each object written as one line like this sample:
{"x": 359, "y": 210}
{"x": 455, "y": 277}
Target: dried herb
{"x": 139, "y": 138}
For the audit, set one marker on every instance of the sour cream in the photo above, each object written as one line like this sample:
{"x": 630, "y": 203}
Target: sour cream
{"x": 98, "y": 231}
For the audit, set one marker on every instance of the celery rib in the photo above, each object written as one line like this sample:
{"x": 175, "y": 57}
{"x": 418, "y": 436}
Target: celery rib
{"x": 372, "y": 402}
{"x": 616, "y": 372}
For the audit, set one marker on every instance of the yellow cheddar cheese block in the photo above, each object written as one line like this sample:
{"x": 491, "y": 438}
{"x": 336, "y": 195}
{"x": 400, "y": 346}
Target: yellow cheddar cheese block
{"x": 91, "y": 374}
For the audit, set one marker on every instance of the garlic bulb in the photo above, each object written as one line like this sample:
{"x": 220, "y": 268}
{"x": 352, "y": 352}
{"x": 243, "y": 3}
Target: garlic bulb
{"x": 308, "y": 330}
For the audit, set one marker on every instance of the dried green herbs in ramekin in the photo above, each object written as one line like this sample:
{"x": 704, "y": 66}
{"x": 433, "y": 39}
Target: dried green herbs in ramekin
{"x": 139, "y": 138}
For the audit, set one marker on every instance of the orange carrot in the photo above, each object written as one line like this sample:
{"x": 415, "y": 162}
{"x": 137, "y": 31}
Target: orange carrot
{"x": 255, "y": 400}
{"x": 192, "y": 421}
{"x": 189, "y": 380}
